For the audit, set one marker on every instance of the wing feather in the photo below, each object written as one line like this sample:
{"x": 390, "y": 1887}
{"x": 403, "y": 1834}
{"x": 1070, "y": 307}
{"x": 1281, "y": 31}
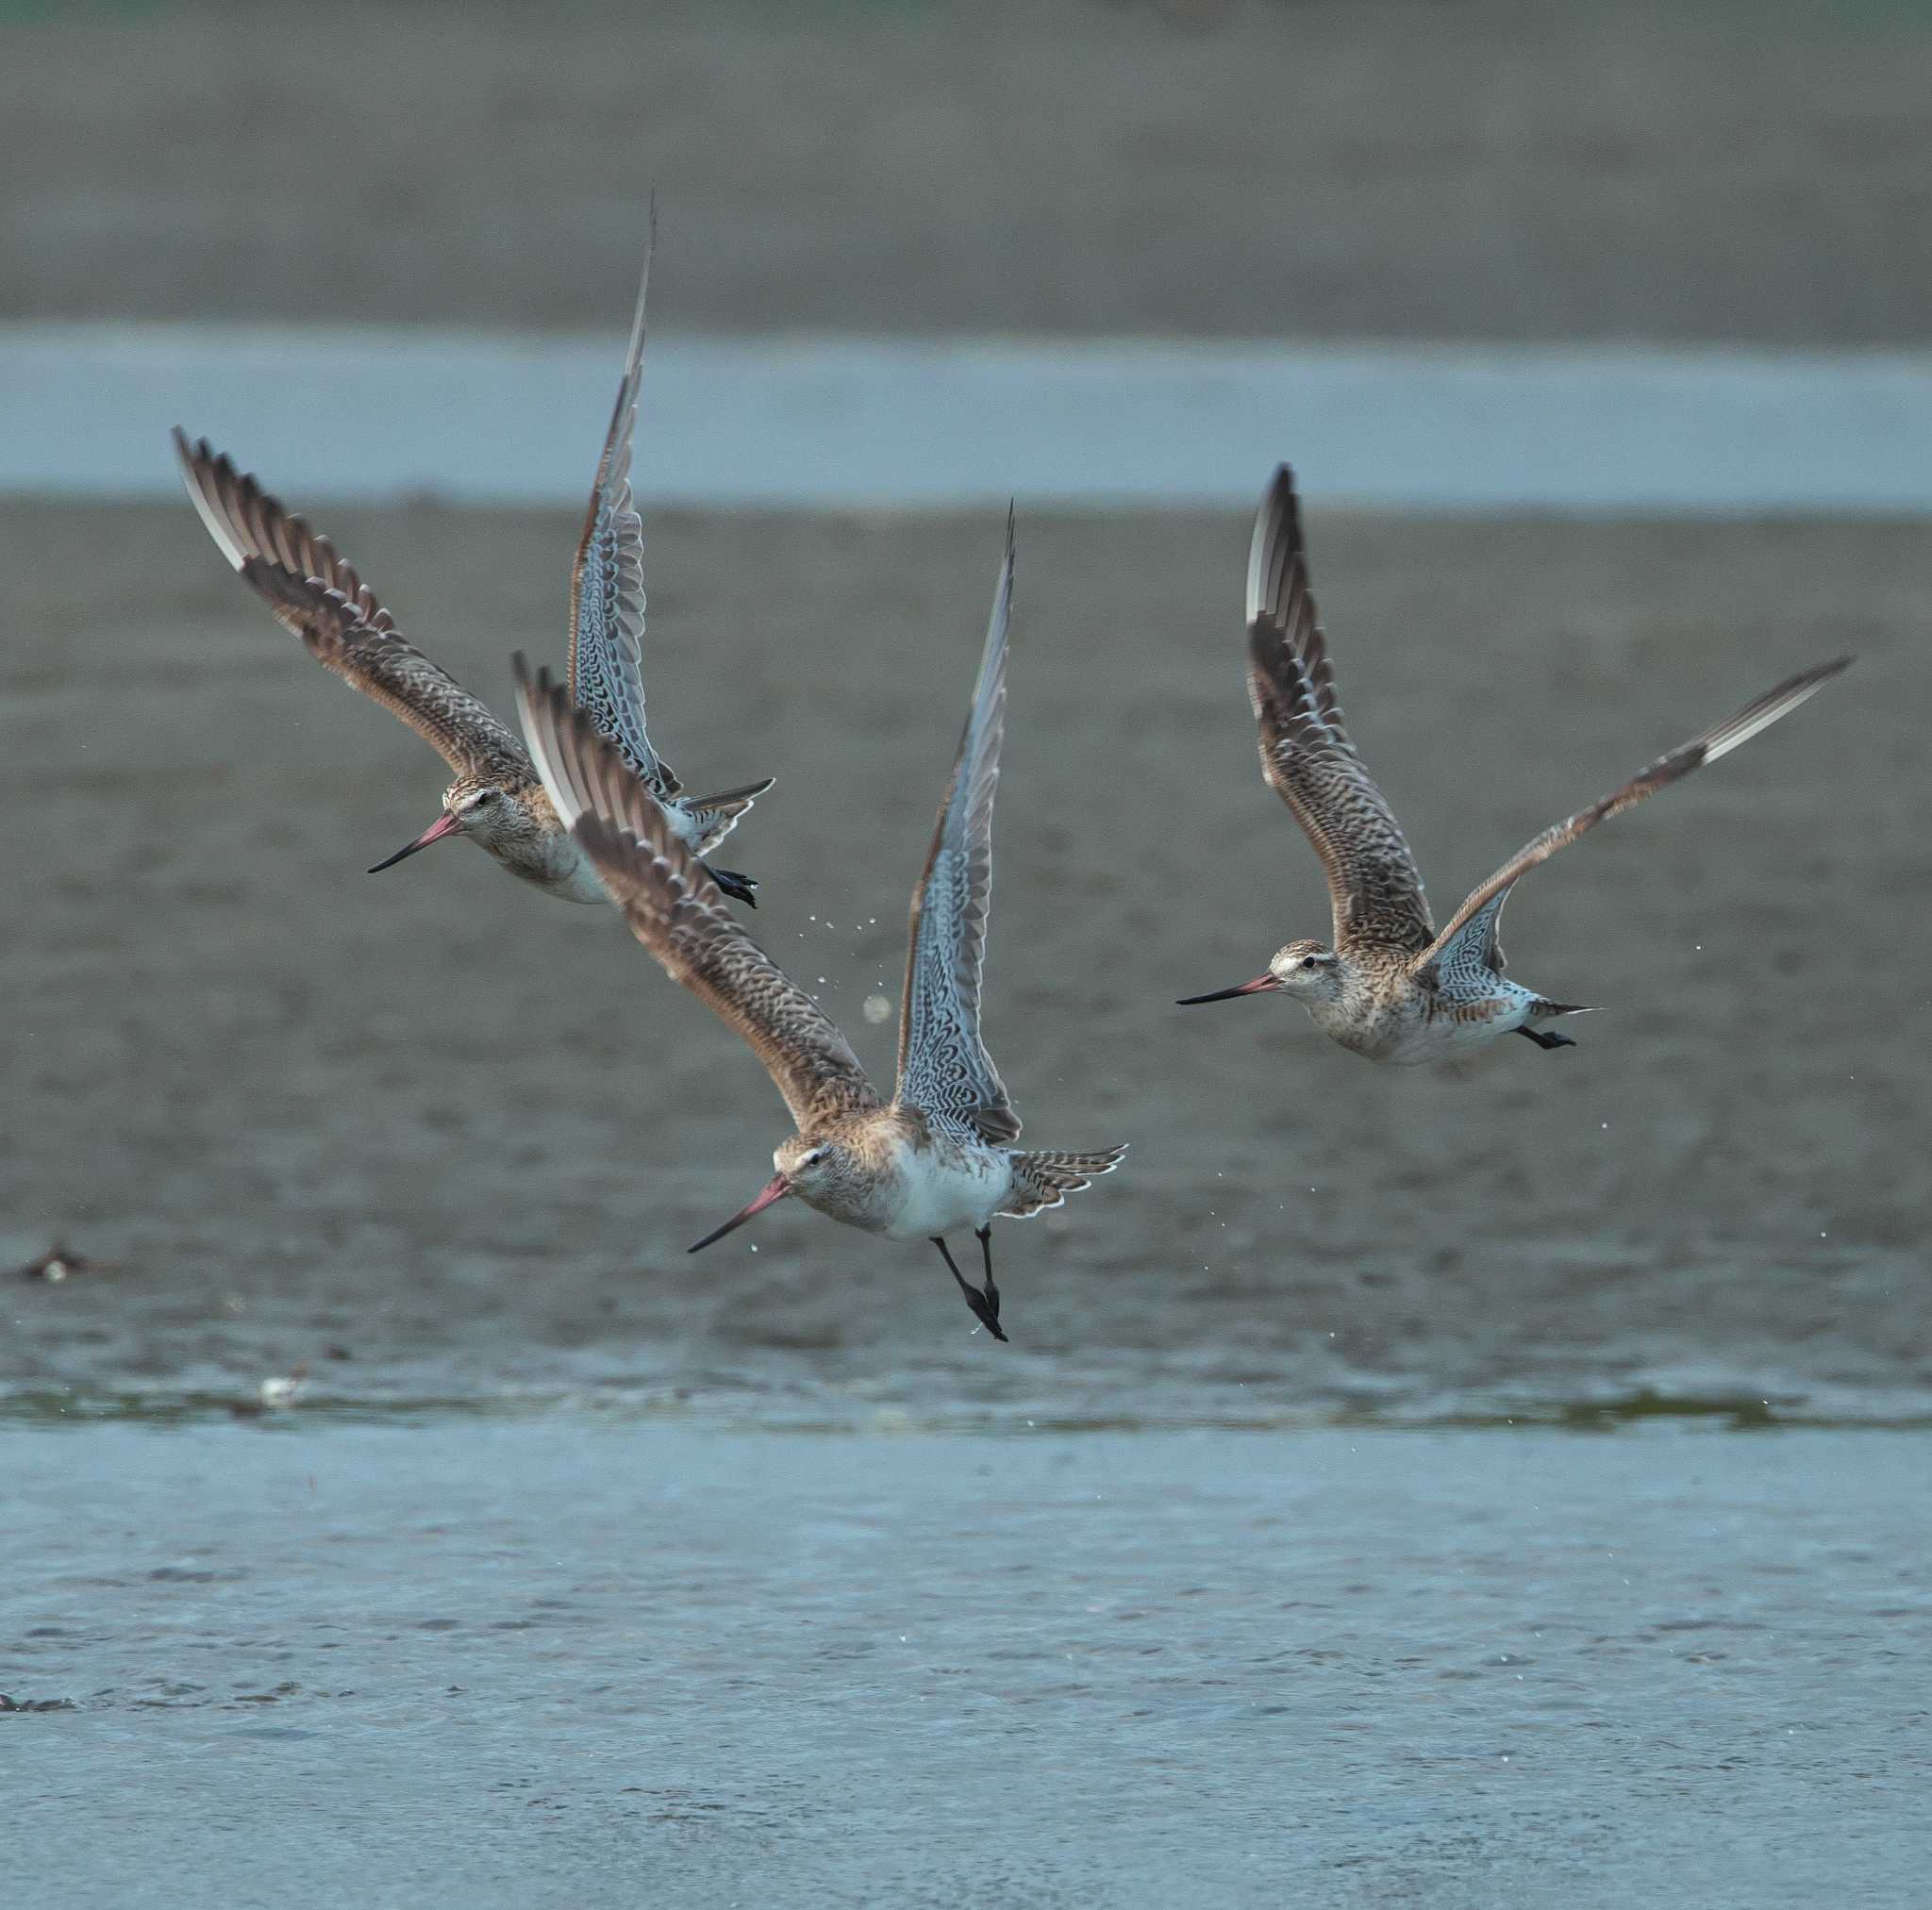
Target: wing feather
{"x": 607, "y": 626}
{"x": 316, "y": 595}
{"x": 943, "y": 1067}
{"x": 1718, "y": 741}
{"x": 1374, "y": 888}
{"x": 1276, "y": 552}
{"x": 677, "y": 911}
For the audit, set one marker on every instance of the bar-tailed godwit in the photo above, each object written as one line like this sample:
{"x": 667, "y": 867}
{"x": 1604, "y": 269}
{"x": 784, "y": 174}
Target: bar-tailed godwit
{"x": 496, "y": 799}
{"x": 935, "y": 1157}
{"x": 1389, "y": 986}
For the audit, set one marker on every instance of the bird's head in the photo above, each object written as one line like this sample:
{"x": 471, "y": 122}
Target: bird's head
{"x": 485, "y": 811}
{"x": 1309, "y": 971}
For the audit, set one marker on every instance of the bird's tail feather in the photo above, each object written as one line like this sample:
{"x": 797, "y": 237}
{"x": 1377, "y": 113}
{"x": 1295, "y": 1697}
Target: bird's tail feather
{"x": 733, "y": 802}
{"x": 1043, "y": 1179}
{"x": 715, "y": 817}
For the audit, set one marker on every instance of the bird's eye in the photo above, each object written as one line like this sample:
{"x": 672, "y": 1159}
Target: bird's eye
{"x": 483, "y": 796}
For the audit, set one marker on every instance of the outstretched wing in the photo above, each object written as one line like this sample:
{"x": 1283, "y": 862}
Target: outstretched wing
{"x": 943, "y": 1067}
{"x": 1466, "y": 958}
{"x": 317, "y": 595}
{"x": 1374, "y": 888}
{"x": 676, "y": 911}
{"x": 1476, "y": 921}
{"x": 606, "y": 623}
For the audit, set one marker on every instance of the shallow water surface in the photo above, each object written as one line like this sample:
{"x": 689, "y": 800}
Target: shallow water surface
{"x": 608, "y": 1657}
{"x": 836, "y": 422}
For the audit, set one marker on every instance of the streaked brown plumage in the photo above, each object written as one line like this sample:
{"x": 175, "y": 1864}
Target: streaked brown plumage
{"x": 931, "y": 1159}
{"x": 1391, "y": 988}
{"x": 496, "y": 798}
{"x": 316, "y": 595}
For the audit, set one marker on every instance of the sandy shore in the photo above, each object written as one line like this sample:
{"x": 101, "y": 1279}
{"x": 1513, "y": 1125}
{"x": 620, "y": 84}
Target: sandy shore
{"x": 1506, "y": 169}
{"x": 464, "y": 1134}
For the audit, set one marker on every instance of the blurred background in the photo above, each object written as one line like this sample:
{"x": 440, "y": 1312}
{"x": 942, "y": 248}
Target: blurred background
{"x": 1598, "y": 337}
{"x": 1259, "y": 169}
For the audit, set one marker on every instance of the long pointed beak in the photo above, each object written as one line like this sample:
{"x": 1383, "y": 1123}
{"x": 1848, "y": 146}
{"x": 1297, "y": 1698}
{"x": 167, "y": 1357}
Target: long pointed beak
{"x": 445, "y": 824}
{"x": 774, "y": 1189}
{"x": 1261, "y": 985}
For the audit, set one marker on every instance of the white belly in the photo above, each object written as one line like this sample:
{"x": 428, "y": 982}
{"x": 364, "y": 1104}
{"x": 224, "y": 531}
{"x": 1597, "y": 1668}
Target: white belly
{"x": 559, "y": 868}
{"x": 1458, "y": 1028}
{"x": 1411, "y": 1027}
{"x": 945, "y": 1188}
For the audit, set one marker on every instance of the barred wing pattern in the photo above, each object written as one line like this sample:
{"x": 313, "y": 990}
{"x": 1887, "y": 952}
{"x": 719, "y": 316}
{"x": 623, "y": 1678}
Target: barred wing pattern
{"x": 317, "y": 595}
{"x": 606, "y": 658}
{"x": 1466, "y": 958}
{"x": 1374, "y": 888}
{"x": 943, "y": 1067}
{"x": 1718, "y": 741}
{"x": 1277, "y": 572}
{"x": 677, "y": 911}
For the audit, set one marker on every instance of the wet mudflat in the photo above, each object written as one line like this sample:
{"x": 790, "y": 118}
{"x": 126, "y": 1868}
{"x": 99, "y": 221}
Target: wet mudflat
{"x": 463, "y": 1133}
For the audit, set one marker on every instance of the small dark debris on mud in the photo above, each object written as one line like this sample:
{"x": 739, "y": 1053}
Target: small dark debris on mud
{"x": 59, "y": 1263}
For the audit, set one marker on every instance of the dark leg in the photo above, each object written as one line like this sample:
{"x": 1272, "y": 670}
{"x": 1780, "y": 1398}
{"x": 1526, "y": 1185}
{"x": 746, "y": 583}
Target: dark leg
{"x": 986, "y": 1313}
{"x": 1543, "y": 1040}
{"x": 993, "y": 1293}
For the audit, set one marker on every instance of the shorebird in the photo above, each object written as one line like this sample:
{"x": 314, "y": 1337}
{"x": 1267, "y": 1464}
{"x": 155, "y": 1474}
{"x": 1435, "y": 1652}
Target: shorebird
{"x": 496, "y": 799}
{"x": 1389, "y": 986}
{"x": 934, "y": 1158}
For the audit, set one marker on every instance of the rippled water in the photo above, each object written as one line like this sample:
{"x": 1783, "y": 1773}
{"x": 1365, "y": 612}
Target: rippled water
{"x": 617, "y": 1656}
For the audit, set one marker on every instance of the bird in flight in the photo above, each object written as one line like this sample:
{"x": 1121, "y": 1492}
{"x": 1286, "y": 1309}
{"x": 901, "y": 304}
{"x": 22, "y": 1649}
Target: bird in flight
{"x": 936, "y": 1156}
{"x": 1388, "y": 985}
{"x": 496, "y": 799}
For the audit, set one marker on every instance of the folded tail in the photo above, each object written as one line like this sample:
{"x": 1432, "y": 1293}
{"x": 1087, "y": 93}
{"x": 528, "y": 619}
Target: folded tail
{"x": 1043, "y": 1180}
{"x": 715, "y": 817}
